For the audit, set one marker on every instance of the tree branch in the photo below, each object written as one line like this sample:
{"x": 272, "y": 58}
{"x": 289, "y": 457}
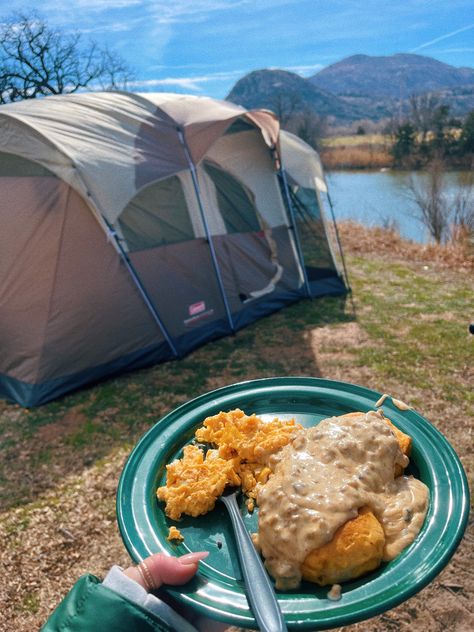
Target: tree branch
{"x": 36, "y": 60}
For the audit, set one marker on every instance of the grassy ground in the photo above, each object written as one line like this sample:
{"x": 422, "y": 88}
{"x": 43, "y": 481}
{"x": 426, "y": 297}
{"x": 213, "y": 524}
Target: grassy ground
{"x": 405, "y": 333}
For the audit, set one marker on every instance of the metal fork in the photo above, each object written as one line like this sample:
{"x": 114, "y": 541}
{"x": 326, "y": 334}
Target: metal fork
{"x": 260, "y": 592}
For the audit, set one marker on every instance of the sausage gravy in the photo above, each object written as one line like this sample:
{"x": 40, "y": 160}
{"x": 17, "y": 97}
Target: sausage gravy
{"x": 322, "y": 478}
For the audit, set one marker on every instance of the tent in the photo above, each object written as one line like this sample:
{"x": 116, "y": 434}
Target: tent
{"x": 136, "y": 227}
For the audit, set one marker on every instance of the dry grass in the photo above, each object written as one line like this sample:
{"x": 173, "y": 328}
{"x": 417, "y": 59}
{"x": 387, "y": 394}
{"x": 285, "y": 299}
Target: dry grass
{"x": 360, "y": 157}
{"x": 408, "y": 336}
{"x": 368, "y": 151}
{"x": 353, "y": 140}
{"x": 455, "y": 255}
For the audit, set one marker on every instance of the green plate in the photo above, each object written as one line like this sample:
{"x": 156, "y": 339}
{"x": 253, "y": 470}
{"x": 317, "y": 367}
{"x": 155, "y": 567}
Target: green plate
{"x": 217, "y": 591}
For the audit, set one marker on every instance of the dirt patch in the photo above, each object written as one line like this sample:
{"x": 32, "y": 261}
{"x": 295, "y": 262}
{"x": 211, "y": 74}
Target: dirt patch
{"x": 70, "y": 532}
{"x": 447, "y": 316}
{"x": 64, "y": 427}
{"x": 337, "y": 337}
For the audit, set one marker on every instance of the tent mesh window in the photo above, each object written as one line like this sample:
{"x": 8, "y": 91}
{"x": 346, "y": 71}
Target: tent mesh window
{"x": 240, "y": 126}
{"x": 234, "y": 201}
{"x": 314, "y": 241}
{"x": 158, "y": 215}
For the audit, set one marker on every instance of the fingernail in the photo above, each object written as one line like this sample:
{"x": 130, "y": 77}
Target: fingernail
{"x": 193, "y": 558}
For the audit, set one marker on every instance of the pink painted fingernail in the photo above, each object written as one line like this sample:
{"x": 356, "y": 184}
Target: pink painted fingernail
{"x": 193, "y": 558}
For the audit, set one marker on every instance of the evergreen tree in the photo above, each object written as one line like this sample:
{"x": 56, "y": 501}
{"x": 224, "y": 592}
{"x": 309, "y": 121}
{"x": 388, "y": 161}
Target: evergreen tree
{"x": 466, "y": 141}
{"x": 404, "y": 141}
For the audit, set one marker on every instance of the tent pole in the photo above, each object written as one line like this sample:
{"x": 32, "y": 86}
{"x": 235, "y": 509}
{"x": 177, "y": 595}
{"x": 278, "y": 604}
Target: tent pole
{"x": 192, "y": 168}
{"x": 341, "y": 252}
{"x": 293, "y": 225}
{"x": 136, "y": 279}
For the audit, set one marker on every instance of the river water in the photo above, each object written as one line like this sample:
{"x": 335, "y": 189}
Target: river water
{"x": 382, "y": 198}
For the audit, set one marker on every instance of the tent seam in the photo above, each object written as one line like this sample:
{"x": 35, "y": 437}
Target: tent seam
{"x": 94, "y": 209}
{"x": 25, "y": 123}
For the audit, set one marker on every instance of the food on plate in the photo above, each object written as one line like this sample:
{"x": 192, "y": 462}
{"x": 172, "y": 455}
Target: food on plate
{"x": 355, "y": 549}
{"x": 396, "y": 402}
{"x": 333, "y": 501}
{"x": 244, "y": 444}
{"x": 404, "y": 440}
{"x": 194, "y": 482}
{"x": 319, "y": 483}
{"x": 174, "y": 535}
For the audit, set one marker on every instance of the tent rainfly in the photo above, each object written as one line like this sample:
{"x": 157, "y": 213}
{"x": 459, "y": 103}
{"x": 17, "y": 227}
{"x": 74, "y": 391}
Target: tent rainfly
{"x": 136, "y": 227}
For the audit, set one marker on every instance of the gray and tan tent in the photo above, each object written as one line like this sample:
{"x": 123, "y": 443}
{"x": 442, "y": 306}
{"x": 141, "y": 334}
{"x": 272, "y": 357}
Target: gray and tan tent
{"x": 136, "y": 227}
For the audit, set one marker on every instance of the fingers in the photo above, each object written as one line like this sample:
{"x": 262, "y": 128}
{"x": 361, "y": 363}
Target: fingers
{"x": 174, "y": 570}
{"x": 160, "y": 569}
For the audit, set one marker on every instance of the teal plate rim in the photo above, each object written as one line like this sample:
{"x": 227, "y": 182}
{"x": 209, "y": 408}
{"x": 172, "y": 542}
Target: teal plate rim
{"x": 217, "y": 591}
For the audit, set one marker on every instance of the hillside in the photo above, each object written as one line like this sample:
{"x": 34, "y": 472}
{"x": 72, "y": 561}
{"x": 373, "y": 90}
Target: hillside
{"x": 397, "y": 76}
{"x": 358, "y": 87}
{"x": 286, "y": 93}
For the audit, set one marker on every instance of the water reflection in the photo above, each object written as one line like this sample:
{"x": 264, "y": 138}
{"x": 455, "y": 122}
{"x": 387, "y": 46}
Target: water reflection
{"x": 382, "y": 198}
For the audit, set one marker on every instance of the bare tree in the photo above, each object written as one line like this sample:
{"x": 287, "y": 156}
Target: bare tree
{"x": 422, "y": 111}
{"x": 285, "y": 104}
{"x": 309, "y": 126}
{"x": 38, "y": 60}
{"x": 463, "y": 212}
{"x": 431, "y": 201}
{"x": 446, "y": 214}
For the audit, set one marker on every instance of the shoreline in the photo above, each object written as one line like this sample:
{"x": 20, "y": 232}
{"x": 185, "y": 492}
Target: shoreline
{"x": 374, "y": 152}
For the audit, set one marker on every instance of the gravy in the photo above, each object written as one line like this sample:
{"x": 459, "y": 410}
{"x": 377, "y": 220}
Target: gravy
{"x": 319, "y": 482}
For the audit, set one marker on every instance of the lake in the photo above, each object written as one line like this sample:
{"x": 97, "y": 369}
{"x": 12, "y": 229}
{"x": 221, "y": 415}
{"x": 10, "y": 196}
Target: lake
{"x": 381, "y": 198}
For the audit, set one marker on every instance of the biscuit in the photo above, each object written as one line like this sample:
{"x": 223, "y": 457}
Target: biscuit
{"x": 356, "y": 548}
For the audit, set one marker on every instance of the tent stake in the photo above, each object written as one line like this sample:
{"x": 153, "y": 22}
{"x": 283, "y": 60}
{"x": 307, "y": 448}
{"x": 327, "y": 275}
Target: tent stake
{"x": 136, "y": 279}
{"x": 206, "y": 228}
{"x": 294, "y": 227}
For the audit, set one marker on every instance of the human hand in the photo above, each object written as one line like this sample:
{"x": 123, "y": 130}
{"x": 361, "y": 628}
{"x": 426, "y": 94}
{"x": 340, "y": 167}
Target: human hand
{"x": 160, "y": 569}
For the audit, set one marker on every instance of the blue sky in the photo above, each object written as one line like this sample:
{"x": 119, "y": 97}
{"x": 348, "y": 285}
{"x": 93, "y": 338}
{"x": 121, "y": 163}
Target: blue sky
{"x": 204, "y": 46}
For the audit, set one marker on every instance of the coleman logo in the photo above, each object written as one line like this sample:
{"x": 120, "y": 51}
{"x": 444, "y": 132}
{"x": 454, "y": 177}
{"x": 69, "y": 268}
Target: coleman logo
{"x": 196, "y": 308}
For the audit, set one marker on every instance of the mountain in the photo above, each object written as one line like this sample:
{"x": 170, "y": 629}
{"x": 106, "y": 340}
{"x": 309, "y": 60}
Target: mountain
{"x": 358, "y": 87}
{"x": 397, "y": 76}
{"x": 287, "y": 93}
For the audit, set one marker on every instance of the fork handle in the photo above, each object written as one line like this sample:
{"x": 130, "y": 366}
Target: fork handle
{"x": 260, "y": 592}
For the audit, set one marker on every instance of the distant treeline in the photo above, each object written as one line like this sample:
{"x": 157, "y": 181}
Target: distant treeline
{"x": 427, "y": 132}
{"x": 431, "y": 133}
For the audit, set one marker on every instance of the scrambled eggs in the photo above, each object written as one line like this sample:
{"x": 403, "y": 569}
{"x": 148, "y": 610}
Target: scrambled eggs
{"x": 244, "y": 444}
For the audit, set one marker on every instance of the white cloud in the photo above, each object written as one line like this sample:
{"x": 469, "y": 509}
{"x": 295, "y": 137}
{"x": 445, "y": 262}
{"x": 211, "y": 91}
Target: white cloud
{"x": 443, "y": 37}
{"x": 465, "y": 49}
{"x": 190, "y": 10}
{"x": 103, "y": 5}
{"x": 193, "y": 84}
{"x": 163, "y": 11}
{"x": 305, "y": 70}
{"x": 57, "y": 6}
{"x": 186, "y": 83}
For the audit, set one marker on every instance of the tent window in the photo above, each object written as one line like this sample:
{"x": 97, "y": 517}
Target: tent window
{"x": 158, "y": 215}
{"x": 17, "y": 167}
{"x": 235, "y": 202}
{"x": 239, "y": 126}
{"x": 311, "y": 228}
{"x": 306, "y": 203}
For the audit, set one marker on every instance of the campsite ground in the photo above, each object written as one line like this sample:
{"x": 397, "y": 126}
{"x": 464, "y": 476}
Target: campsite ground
{"x": 405, "y": 332}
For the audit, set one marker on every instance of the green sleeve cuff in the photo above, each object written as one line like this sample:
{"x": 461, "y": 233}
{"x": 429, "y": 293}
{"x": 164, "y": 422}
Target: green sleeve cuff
{"x": 92, "y": 607}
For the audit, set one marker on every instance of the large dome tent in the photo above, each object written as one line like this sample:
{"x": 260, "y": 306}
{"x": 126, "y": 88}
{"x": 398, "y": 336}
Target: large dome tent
{"x": 136, "y": 227}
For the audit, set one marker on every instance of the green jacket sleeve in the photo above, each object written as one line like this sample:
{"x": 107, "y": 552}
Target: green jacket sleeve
{"x": 91, "y": 607}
